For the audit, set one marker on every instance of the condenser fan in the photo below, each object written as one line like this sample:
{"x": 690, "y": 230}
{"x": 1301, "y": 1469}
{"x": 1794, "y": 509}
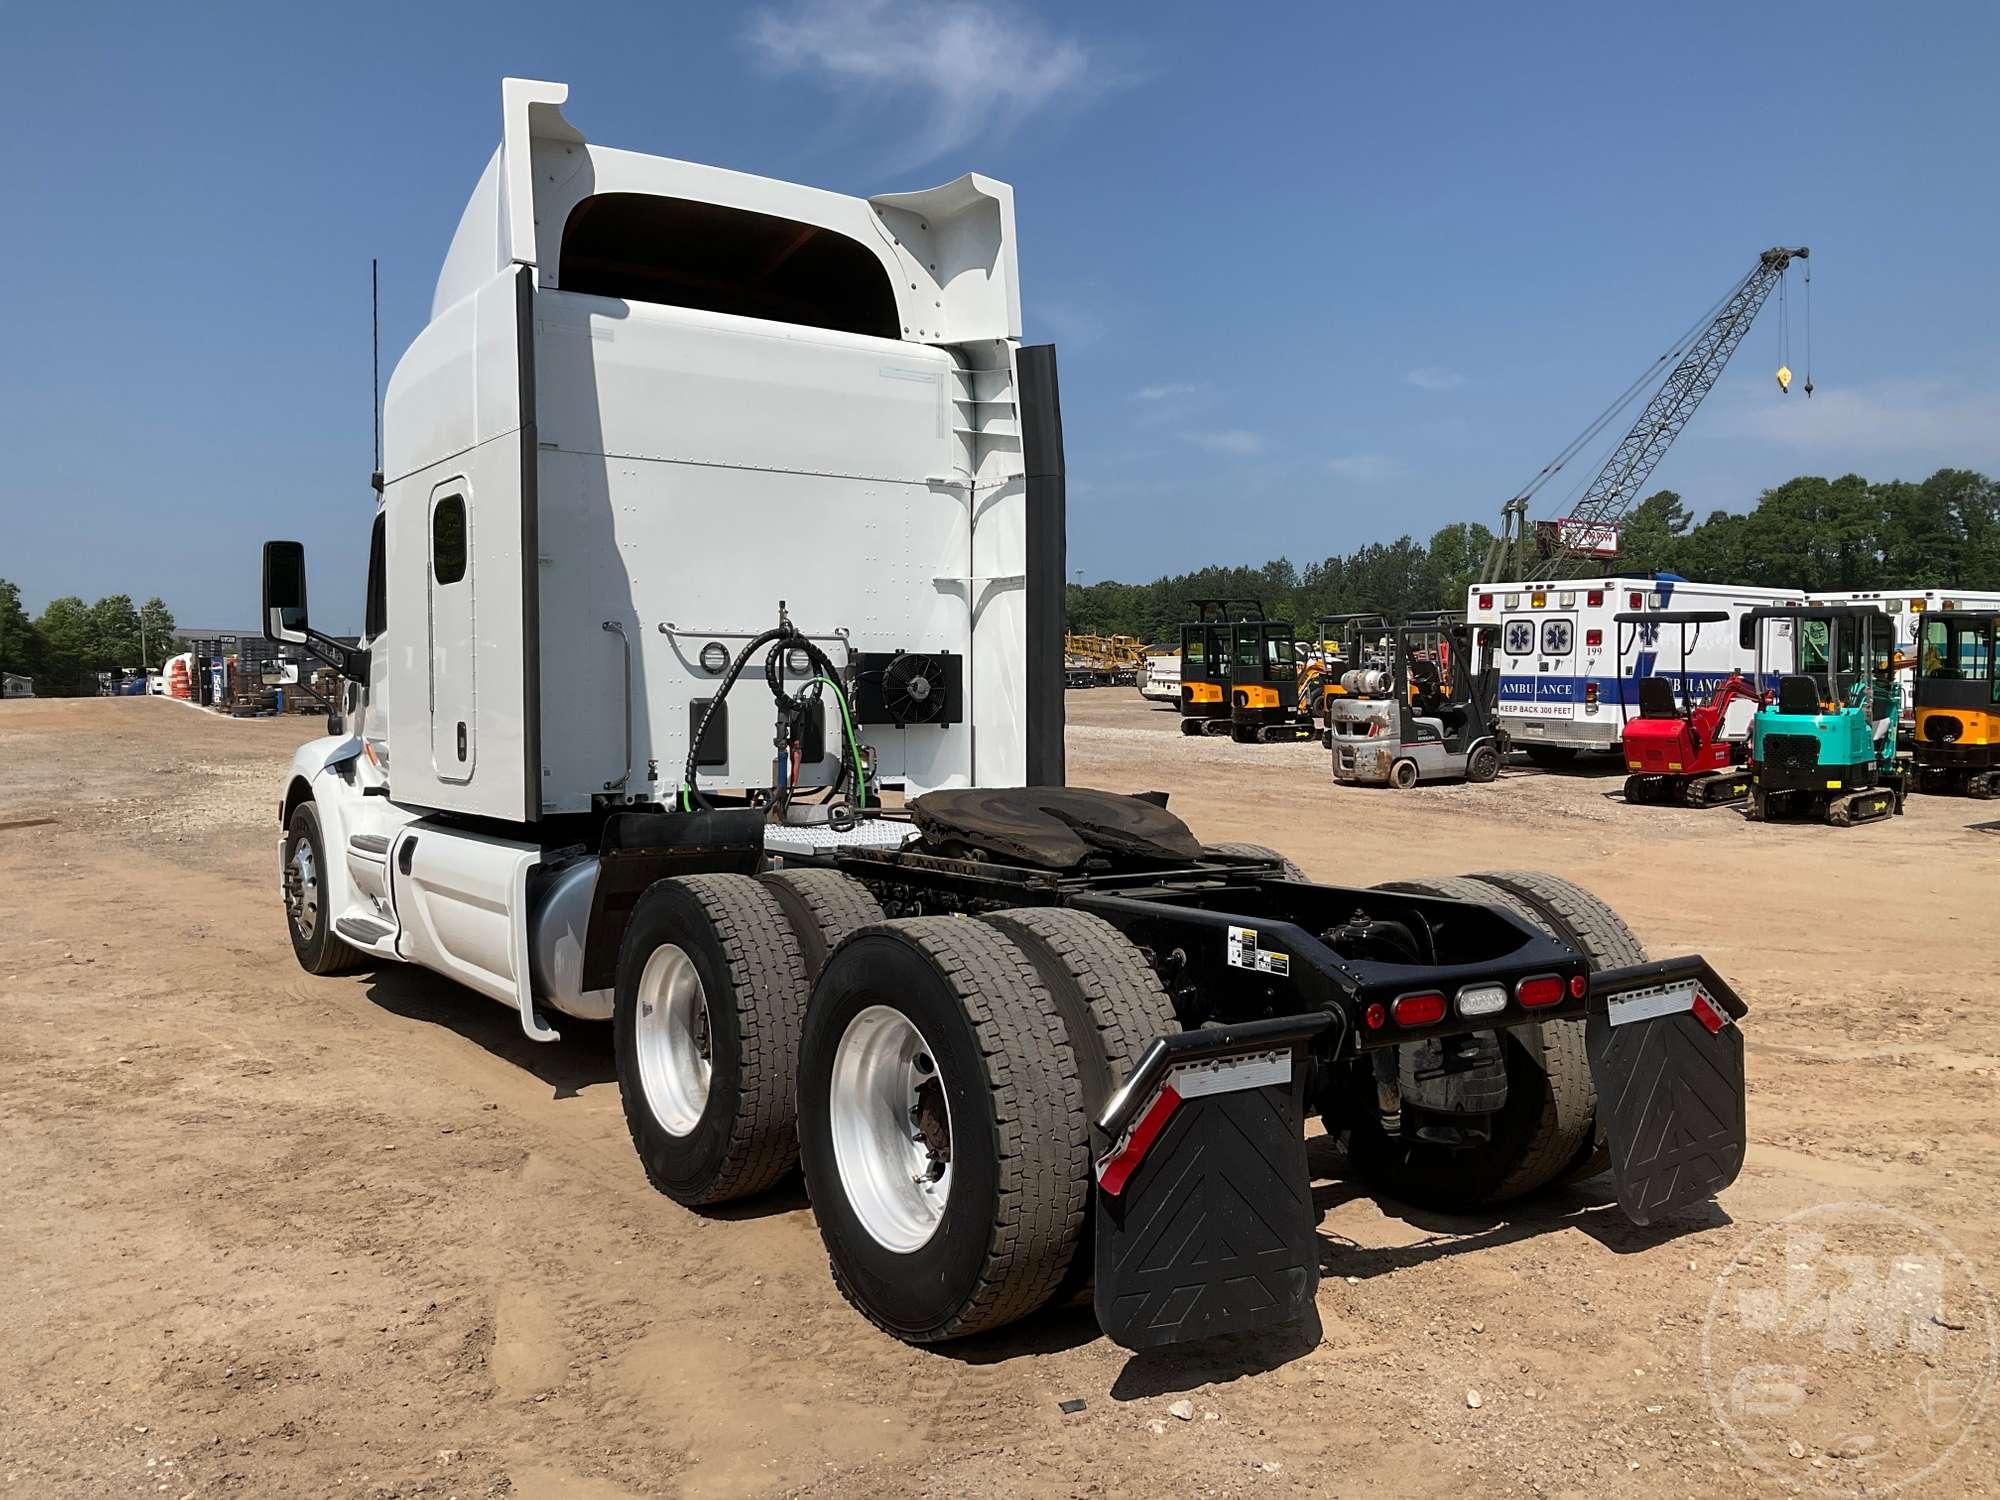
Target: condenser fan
{"x": 913, "y": 689}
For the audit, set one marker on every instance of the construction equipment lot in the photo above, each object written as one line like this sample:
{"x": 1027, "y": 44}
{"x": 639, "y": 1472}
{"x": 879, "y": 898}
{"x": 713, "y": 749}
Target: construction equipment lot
{"x": 272, "y": 1234}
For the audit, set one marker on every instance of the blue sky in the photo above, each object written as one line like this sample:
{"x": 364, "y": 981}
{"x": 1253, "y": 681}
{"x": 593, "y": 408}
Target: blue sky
{"x": 1319, "y": 275}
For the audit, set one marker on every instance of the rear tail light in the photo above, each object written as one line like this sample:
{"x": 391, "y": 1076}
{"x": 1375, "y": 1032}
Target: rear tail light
{"x": 1482, "y": 999}
{"x": 1485, "y": 601}
{"x": 1577, "y": 985}
{"x": 1593, "y": 638}
{"x": 1635, "y": 600}
{"x": 1423, "y": 1009}
{"x": 1376, "y": 1016}
{"x": 1590, "y": 688}
{"x": 1596, "y": 597}
{"x": 1540, "y": 992}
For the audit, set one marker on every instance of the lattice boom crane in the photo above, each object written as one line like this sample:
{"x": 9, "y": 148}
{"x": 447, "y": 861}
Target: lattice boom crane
{"x": 1699, "y": 357}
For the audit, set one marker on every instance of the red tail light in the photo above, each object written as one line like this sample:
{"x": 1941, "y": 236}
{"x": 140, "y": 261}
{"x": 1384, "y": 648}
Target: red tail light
{"x": 1577, "y": 985}
{"x": 1425, "y": 1009}
{"x": 1593, "y": 638}
{"x": 1635, "y": 600}
{"x": 1590, "y": 692}
{"x": 1540, "y": 992}
{"x": 1596, "y": 597}
{"x": 1375, "y": 1017}
{"x": 1485, "y": 601}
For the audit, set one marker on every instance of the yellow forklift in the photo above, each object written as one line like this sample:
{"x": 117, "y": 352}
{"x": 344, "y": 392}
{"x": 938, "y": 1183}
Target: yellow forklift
{"x": 1345, "y": 642}
{"x": 1957, "y": 694}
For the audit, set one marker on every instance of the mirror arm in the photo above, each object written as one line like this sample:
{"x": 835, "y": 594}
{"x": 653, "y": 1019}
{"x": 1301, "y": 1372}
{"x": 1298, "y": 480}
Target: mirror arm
{"x": 350, "y": 662}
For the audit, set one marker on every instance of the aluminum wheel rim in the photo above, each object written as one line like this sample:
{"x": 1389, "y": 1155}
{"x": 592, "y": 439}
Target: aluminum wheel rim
{"x": 672, "y": 1034}
{"x": 891, "y": 1127}
{"x": 302, "y": 889}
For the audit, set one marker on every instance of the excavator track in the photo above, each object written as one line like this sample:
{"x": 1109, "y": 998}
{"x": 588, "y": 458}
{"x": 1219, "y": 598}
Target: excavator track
{"x": 1862, "y": 807}
{"x": 1716, "y": 789}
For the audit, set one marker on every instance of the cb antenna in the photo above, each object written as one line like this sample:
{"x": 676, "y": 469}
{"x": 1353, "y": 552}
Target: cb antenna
{"x": 375, "y": 361}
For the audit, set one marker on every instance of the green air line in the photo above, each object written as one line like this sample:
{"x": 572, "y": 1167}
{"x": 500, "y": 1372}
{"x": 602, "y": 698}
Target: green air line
{"x": 853, "y": 744}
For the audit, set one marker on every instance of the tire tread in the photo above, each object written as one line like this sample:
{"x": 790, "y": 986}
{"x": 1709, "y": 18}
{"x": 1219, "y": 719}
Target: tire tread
{"x": 767, "y": 974}
{"x": 825, "y": 907}
{"x": 1043, "y": 1176}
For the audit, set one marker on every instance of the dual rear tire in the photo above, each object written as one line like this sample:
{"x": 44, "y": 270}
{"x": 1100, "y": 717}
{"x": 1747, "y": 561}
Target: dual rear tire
{"x": 936, "y": 1087}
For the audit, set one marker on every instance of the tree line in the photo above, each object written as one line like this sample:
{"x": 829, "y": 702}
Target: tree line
{"x": 70, "y": 642}
{"x": 1820, "y": 535}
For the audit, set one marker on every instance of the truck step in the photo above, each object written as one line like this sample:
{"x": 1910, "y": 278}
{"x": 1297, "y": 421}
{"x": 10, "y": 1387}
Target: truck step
{"x": 363, "y": 930}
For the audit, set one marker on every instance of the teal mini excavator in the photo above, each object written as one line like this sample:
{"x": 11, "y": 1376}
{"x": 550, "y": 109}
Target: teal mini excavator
{"x": 1824, "y": 745}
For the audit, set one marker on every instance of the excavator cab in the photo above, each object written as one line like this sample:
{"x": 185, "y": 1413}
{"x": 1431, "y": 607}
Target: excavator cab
{"x": 1208, "y": 653}
{"x": 1678, "y": 750}
{"x": 1957, "y": 689}
{"x": 1264, "y": 684}
{"x": 1826, "y": 744}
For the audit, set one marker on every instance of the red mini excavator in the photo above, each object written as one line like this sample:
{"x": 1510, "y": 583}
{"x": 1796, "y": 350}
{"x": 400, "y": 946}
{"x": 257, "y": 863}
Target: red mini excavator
{"x": 1679, "y": 751}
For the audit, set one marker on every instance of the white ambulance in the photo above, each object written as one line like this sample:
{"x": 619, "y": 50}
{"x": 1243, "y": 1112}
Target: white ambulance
{"x": 1562, "y": 690}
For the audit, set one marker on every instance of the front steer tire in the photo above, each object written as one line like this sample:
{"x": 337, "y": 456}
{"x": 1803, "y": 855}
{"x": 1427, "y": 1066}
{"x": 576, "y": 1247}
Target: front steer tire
{"x": 310, "y": 920}
{"x": 1007, "y": 1224}
{"x": 743, "y": 1135}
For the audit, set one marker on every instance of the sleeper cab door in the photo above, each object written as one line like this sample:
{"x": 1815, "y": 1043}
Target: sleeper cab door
{"x": 454, "y": 638}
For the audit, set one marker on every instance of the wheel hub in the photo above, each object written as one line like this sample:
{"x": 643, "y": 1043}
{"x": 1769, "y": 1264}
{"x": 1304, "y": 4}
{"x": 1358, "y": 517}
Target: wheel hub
{"x": 302, "y": 889}
{"x": 890, "y": 1120}
{"x": 672, "y": 1037}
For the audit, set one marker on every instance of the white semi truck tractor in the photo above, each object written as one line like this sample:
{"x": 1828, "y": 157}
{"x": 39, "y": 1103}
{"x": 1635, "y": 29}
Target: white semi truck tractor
{"x": 711, "y": 684}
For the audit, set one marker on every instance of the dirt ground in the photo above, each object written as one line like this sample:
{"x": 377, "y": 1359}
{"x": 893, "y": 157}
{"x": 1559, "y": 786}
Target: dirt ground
{"x": 266, "y": 1234}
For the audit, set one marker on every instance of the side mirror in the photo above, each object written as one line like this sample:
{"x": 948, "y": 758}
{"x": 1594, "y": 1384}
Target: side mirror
{"x": 285, "y": 591}
{"x": 335, "y": 724}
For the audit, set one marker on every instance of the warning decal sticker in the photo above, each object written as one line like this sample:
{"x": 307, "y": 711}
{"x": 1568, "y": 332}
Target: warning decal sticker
{"x": 1245, "y": 954}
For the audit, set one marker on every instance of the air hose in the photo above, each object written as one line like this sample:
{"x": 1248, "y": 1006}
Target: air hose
{"x": 780, "y": 639}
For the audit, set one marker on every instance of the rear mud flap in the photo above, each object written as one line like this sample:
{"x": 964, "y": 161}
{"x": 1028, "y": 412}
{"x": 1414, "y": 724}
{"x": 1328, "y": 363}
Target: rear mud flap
{"x": 1204, "y": 1214}
{"x": 1667, "y": 1057}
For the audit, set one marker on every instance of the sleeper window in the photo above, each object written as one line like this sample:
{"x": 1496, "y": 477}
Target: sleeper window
{"x": 448, "y": 539}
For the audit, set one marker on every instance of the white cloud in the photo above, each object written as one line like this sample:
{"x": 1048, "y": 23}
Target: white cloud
{"x": 1434, "y": 378}
{"x": 1163, "y": 392}
{"x": 1931, "y": 422}
{"x": 1235, "y": 440}
{"x": 1364, "y": 468}
{"x": 975, "y": 69}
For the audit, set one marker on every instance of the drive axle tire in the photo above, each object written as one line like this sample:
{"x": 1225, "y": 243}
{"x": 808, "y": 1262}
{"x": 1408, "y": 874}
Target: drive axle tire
{"x": 824, "y": 908}
{"x": 942, "y": 1128}
{"x": 1483, "y": 764}
{"x": 1111, "y": 1002}
{"x": 705, "y": 1028}
{"x": 1544, "y": 1132}
{"x": 1291, "y": 871}
{"x": 308, "y": 917}
{"x": 1403, "y": 774}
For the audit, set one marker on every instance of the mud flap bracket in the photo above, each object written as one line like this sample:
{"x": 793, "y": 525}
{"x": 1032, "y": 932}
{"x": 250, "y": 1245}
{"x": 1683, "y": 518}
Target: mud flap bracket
{"x": 1666, "y": 1055}
{"x": 1204, "y": 1214}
